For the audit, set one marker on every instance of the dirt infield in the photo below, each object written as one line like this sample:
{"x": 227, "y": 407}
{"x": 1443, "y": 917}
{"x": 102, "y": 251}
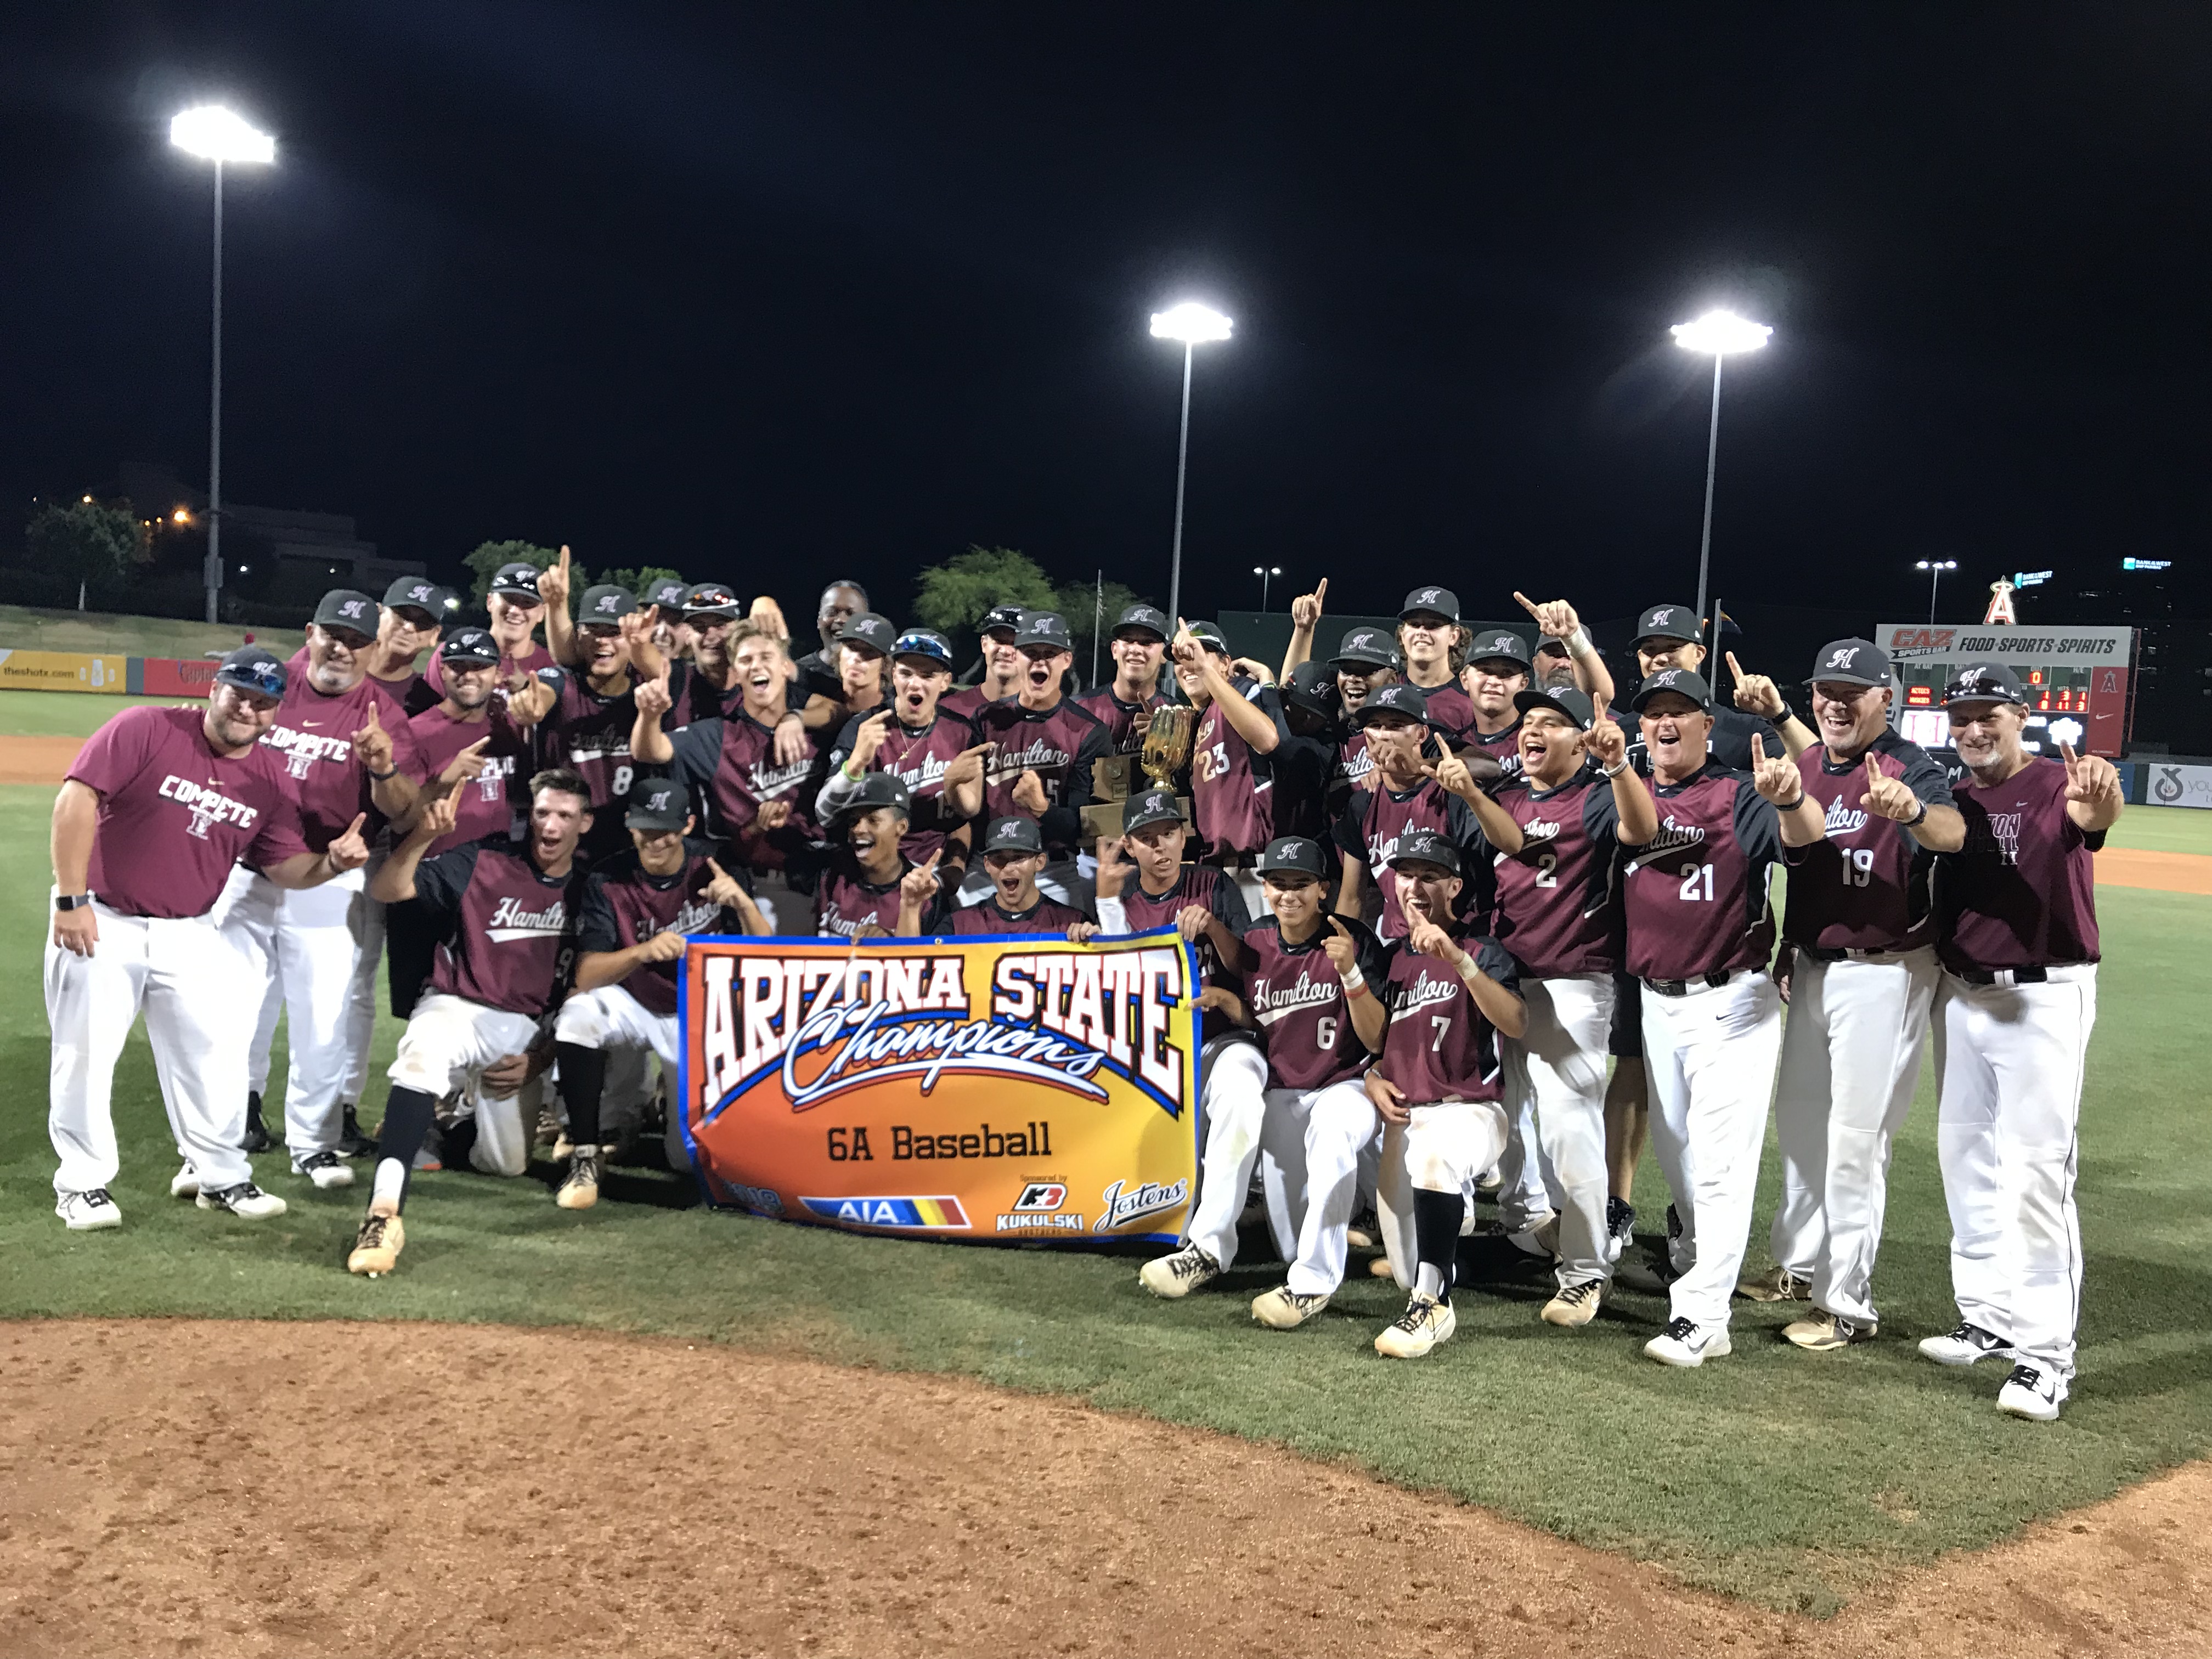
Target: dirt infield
{"x": 2163, "y": 872}
{"x": 36, "y": 760}
{"x": 174, "y": 1487}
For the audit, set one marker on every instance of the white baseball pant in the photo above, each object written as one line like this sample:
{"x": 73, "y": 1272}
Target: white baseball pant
{"x": 308, "y": 943}
{"x": 1557, "y": 1074}
{"x": 183, "y": 974}
{"x": 1709, "y": 1055}
{"x": 610, "y": 1018}
{"x": 1527, "y": 1196}
{"x": 1339, "y": 1123}
{"x": 361, "y": 1004}
{"x": 1850, "y": 1061}
{"x": 1443, "y": 1150}
{"x": 2010, "y": 1060}
{"x": 448, "y": 1042}
{"x": 1234, "y": 1103}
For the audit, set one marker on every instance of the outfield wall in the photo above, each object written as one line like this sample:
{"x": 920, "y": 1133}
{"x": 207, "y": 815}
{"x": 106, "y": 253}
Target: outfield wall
{"x": 104, "y": 674}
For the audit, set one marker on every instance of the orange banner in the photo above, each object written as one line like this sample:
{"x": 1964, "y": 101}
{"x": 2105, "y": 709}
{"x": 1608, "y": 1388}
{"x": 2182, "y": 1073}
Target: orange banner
{"x": 1012, "y": 1088}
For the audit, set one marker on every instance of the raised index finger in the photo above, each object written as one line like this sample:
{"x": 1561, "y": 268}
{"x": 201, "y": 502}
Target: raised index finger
{"x": 1321, "y": 590}
{"x": 2066, "y": 752}
{"x": 1735, "y": 668}
{"x": 1527, "y": 604}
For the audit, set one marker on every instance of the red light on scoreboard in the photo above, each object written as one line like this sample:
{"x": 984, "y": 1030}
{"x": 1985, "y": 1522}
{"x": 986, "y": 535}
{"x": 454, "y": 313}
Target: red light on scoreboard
{"x": 2035, "y": 677}
{"x": 1919, "y": 696}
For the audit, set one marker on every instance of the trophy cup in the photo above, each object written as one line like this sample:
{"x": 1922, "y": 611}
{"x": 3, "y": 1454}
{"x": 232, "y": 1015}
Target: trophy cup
{"x": 1167, "y": 742}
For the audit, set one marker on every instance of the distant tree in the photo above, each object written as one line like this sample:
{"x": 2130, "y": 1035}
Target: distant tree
{"x": 959, "y": 593}
{"x": 485, "y": 561}
{"x": 637, "y": 580}
{"x": 86, "y": 542}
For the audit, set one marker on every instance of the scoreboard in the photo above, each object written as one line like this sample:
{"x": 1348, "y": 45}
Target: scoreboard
{"x": 2080, "y": 681}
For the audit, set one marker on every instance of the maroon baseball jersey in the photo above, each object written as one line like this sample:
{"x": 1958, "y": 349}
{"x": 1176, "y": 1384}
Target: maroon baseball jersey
{"x": 312, "y": 735}
{"x": 917, "y": 759}
{"x": 968, "y": 702}
{"x": 694, "y": 697}
{"x": 490, "y": 804}
{"x": 1059, "y": 745}
{"x": 845, "y": 901}
{"x": 1354, "y": 764}
{"x": 1504, "y": 747}
{"x": 1694, "y": 900}
{"x": 1864, "y": 888}
{"x": 1374, "y": 822}
{"x": 588, "y": 731}
{"x": 730, "y": 766}
{"x": 509, "y": 940}
{"x": 2021, "y": 892}
{"x": 1194, "y": 884}
{"x": 1044, "y": 917}
{"x": 1555, "y": 909}
{"x": 625, "y": 904}
{"x": 1120, "y": 718}
{"x": 531, "y": 660}
{"x": 1450, "y": 714}
{"x": 175, "y": 815}
{"x": 1232, "y": 787}
{"x": 1439, "y": 1046}
{"x": 1297, "y": 999}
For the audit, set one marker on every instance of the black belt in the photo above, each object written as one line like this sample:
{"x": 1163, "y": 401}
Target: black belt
{"x": 1820, "y": 953}
{"x": 1682, "y": 987}
{"x": 2018, "y": 975}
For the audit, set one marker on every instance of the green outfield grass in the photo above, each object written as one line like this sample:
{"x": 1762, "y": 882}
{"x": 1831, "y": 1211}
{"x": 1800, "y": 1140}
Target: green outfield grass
{"x": 23, "y": 628}
{"x": 63, "y": 714}
{"x": 2163, "y": 830}
{"x": 1795, "y": 1480}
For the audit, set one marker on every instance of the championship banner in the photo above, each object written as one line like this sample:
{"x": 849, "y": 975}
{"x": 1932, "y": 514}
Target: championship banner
{"x": 1017, "y": 1087}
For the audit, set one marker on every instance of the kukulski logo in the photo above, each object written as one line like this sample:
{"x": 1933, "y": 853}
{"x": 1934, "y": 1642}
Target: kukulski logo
{"x": 1042, "y": 1196}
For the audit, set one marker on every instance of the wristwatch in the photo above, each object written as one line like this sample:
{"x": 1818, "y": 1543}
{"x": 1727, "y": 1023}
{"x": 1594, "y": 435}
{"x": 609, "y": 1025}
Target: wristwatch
{"x": 73, "y": 902}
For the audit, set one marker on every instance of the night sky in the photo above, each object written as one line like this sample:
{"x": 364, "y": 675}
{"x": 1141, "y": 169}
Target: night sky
{"x": 769, "y": 293}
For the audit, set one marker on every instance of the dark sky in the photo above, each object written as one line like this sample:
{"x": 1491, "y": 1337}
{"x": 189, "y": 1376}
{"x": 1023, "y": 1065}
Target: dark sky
{"x": 762, "y": 293}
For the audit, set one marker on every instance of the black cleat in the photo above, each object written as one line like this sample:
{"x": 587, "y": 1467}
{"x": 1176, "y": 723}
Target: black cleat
{"x": 351, "y": 1142}
{"x": 257, "y": 1137}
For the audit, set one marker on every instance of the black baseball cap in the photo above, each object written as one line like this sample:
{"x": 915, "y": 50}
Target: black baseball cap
{"x": 872, "y": 628}
{"x": 1142, "y": 616}
{"x": 605, "y": 604}
{"x": 1853, "y": 662}
{"x": 1045, "y": 627}
{"x": 1150, "y": 806}
{"x": 1426, "y": 846}
{"x": 1569, "y": 700}
{"x": 348, "y": 607}
{"x": 710, "y": 599}
{"x": 1687, "y": 681}
{"x": 421, "y": 594}
{"x": 927, "y": 643}
{"x": 658, "y": 804}
{"x": 1440, "y": 600}
{"x": 877, "y": 789}
{"x": 1312, "y": 687}
{"x": 1400, "y": 699}
{"x": 517, "y": 580}
{"x": 1502, "y": 646}
{"x": 1002, "y": 616}
{"x": 468, "y": 647}
{"x": 669, "y": 593}
{"x": 1209, "y": 635}
{"x": 1293, "y": 855}
{"x": 250, "y": 668}
{"x": 1983, "y": 682}
{"x": 1014, "y": 835}
{"x": 1368, "y": 648}
{"x": 1669, "y": 621}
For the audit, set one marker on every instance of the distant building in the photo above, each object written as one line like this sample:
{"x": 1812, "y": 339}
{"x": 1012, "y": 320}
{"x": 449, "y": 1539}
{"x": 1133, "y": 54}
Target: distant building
{"x": 302, "y": 555}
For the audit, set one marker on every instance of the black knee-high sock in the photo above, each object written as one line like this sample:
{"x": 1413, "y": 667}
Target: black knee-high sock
{"x": 1437, "y": 1217}
{"x": 583, "y": 1080}
{"x": 408, "y": 1115}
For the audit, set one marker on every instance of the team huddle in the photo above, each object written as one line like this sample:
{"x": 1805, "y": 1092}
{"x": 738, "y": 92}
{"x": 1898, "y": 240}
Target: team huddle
{"x": 1461, "y": 928}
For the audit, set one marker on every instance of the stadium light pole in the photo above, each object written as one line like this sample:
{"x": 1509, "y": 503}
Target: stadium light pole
{"x": 1719, "y": 332}
{"x": 1935, "y": 568}
{"x": 1266, "y": 573}
{"x": 1193, "y": 324}
{"x": 215, "y": 134}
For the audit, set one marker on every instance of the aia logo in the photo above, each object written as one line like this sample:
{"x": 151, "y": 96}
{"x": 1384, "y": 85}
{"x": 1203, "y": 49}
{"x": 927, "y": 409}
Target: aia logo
{"x": 1041, "y": 1195}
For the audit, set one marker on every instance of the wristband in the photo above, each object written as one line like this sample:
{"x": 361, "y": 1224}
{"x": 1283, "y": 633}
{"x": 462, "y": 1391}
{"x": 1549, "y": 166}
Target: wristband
{"x": 1919, "y": 817}
{"x": 1354, "y": 983}
{"x": 1615, "y": 770}
{"x": 1791, "y": 805}
{"x": 380, "y": 777}
{"x": 72, "y": 900}
{"x": 1579, "y": 643}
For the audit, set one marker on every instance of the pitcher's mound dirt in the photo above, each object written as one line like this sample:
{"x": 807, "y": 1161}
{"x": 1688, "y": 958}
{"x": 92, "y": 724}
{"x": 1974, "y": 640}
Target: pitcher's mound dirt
{"x": 179, "y": 1487}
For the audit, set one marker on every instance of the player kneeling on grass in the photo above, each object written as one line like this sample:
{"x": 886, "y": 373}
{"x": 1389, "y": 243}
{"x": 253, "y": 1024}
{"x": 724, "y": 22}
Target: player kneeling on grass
{"x": 1437, "y": 1085}
{"x": 511, "y": 907}
{"x": 158, "y": 807}
{"x": 637, "y": 915}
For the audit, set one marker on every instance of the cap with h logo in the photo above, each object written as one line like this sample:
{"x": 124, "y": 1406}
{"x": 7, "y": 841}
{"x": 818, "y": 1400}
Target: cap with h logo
{"x": 1852, "y": 662}
{"x": 347, "y": 607}
{"x": 658, "y": 804}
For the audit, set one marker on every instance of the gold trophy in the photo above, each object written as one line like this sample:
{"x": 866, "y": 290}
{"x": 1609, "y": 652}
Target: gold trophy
{"x": 1167, "y": 742}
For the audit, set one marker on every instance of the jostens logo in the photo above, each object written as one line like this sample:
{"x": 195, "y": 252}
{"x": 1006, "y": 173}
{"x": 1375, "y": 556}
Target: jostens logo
{"x": 1125, "y": 1204}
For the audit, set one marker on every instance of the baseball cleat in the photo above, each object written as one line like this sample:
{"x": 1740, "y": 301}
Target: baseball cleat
{"x": 1419, "y": 1329}
{"x": 257, "y": 1138}
{"x": 1775, "y": 1285}
{"x": 1650, "y": 1275}
{"x": 582, "y": 1189}
{"x": 1490, "y": 1181}
{"x": 1379, "y": 1265}
{"x": 1964, "y": 1346}
{"x": 245, "y": 1201}
{"x": 1575, "y": 1305}
{"x": 376, "y": 1247}
{"x": 1284, "y": 1309}
{"x": 1179, "y": 1273}
{"x": 1685, "y": 1343}
{"x": 325, "y": 1170}
{"x": 2032, "y": 1391}
{"x": 1541, "y": 1240}
{"x": 351, "y": 1142}
{"x": 563, "y": 1148}
{"x": 185, "y": 1184}
{"x": 1620, "y": 1228}
{"x": 1825, "y": 1331}
{"x": 1365, "y": 1232}
{"x": 88, "y": 1212}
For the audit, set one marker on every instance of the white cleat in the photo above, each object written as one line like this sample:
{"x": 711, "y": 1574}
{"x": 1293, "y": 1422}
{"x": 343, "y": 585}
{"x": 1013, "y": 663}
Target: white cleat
{"x": 1418, "y": 1330}
{"x": 88, "y": 1212}
{"x": 1686, "y": 1344}
{"x": 1179, "y": 1273}
{"x": 325, "y": 1170}
{"x": 2032, "y": 1391}
{"x": 1965, "y": 1345}
{"x": 185, "y": 1184}
{"x": 246, "y": 1200}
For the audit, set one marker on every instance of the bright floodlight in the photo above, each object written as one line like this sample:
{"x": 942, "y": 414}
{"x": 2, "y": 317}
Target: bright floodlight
{"x": 1719, "y": 333}
{"x": 1190, "y": 323}
{"x": 214, "y": 134}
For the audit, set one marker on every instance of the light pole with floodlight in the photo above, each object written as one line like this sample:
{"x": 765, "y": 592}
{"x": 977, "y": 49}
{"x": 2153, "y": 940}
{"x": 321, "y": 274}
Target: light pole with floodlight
{"x": 1719, "y": 332}
{"x": 1265, "y": 573}
{"x": 214, "y": 134}
{"x": 1192, "y": 323}
{"x": 1935, "y": 568}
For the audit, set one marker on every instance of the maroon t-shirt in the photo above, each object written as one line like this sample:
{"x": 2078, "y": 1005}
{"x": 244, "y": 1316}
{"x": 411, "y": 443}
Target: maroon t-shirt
{"x": 1555, "y": 909}
{"x": 918, "y": 760}
{"x": 1059, "y": 745}
{"x": 412, "y": 691}
{"x": 1450, "y": 714}
{"x": 845, "y": 901}
{"x": 1374, "y": 822}
{"x": 1120, "y": 718}
{"x": 1695, "y": 899}
{"x": 625, "y": 905}
{"x": 1864, "y": 888}
{"x": 1044, "y": 917}
{"x": 175, "y": 815}
{"x": 731, "y": 765}
{"x": 490, "y": 804}
{"x": 1296, "y": 996}
{"x": 2021, "y": 892}
{"x": 1232, "y": 787}
{"x": 1440, "y": 1047}
{"x": 510, "y": 941}
{"x": 968, "y": 701}
{"x": 312, "y": 738}
{"x": 588, "y": 731}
